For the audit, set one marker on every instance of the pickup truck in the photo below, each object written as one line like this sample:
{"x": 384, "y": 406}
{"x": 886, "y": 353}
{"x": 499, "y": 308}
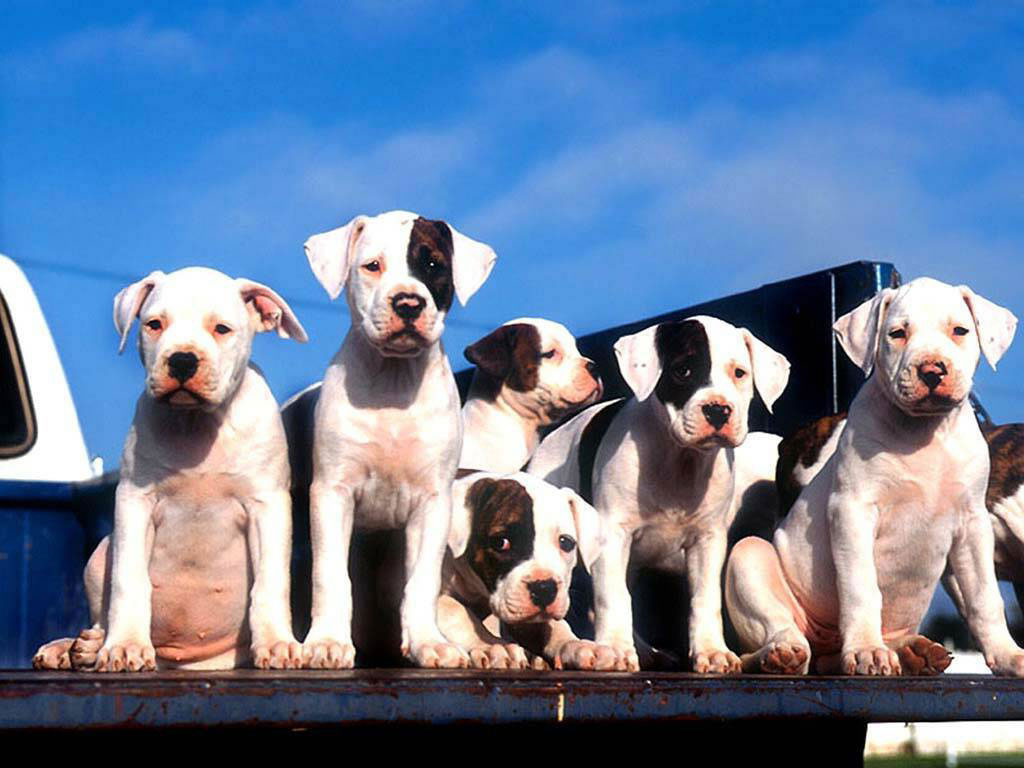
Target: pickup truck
{"x": 56, "y": 504}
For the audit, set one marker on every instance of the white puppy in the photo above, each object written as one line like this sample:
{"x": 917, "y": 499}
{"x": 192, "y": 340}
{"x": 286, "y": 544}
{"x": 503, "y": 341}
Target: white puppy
{"x": 387, "y": 431}
{"x": 515, "y": 540}
{"x": 196, "y": 572}
{"x": 660, "y": 466}
{"x": 529, "y": 375}
{"x": 856, "y": 561}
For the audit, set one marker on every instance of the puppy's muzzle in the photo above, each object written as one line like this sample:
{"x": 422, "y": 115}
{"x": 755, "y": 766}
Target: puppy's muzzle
{"x": 408, "y": 306}
{"x": 717, "y": 414}
{"x": 182, "y": 366}
{"x": 932, "y": 373}
{"x": 542, "y": 592}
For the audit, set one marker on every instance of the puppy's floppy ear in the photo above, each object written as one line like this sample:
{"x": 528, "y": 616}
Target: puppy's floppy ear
{"x": 638, "y": 360}
{"x": 588, "y": 527}
{"x": 510, "y": 353}
{"x": 770, "y": 369}
{"x": 462, "y": 514}
{"x": 128, "y": 303}
{"x": 995, "y": 324}
{"x": 472, "y": 262}
{"x": 330, "y": 254}
{"x": 268, "y": 311}
{"x": 858, "y": 331}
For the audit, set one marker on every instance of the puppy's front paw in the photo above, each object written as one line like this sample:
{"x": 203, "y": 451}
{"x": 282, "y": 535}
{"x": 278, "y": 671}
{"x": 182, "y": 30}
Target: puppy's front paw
{"x": 283, "y": 654}
{"x": 498, "y": 656}
{"x": 437, "y": 655}
{"x": 781, "y": 657}
{"x": 54, "y": 655}
{"x": 715, "y": 661}
{"x": 1009, "y": 663}
{"x": 872, "y": 660}
{"x": 327, "y": 653}
{"x": 586, "y": 654}
{"x": 85, "y": 650}
{"x": 126, "y": 657}
{"x": 921, "y": 656}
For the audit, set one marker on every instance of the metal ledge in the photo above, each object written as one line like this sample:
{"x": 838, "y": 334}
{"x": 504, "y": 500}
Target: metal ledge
{"x": 67, "y": 700}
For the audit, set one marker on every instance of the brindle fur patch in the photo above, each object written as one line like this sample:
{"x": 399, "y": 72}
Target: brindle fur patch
{"x": 508, "y": 355}
{"x": 501, "y": 509}
{"x": 802, "y": 447}
{"x": 430, "y": 257}
{"x": 1006, "y": 451}
{"x": 685, "y": 356}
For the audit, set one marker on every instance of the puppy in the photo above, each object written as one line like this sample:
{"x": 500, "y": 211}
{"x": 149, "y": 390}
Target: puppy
{"x": 196, "y": 572}
{"x": 803, "y": 454}
{"x": 528, "y": 376}
{"x": 855, "y": 563}
{"x": 514, "y": 542}
{"x": 387, "y": 431}
{"x": 660, "y": 470}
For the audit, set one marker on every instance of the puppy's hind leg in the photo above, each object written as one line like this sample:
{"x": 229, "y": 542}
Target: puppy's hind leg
{"x": 760, "y": 606}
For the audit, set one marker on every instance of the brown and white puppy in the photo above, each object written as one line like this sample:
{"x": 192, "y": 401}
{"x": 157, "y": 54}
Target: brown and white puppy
{"x": 660, "y": 467}
{"x": 514, "y": 542}
{"x": 195, "y": 574}
{"x": 802, "y": 454}
{"x": 529, "y": 376}
{"x": 852, "y": 568}
{"x": 387, "y": 431}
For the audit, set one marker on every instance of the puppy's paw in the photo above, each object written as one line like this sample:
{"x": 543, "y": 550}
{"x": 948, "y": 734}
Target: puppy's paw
{"x": 437, "y": 655}
{"x": 54, "y": 655}
{"x": 872, "y": 660}
{"x": 586, "y": 654}
{"x": 1009, "y": 663}
{"x": 498, "y": 656}
{"x": 85, "y": 650}
{"x": 283, "y": 654}
{"x": 126, "y": 657}
{"x": 782, "y": 658}
{"x": 921, "y": 656}
{"x": 715, "y": 661}
{"x": 326, "y": 653}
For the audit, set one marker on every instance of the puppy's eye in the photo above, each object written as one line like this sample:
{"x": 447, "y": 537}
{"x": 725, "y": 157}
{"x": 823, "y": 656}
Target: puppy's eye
{"x": 500, "y": 543}
{"x": 960, "y": 331}
{"x": 566, "y": 543}
{"x": 372, "y": 266}
{"x": 154, "y": 325}
{"x": 221, "y": 330}
{"x": 548, "y": 355}
{"x": 897, "y": 333}
{"x": 740, "y": 373}
{"x": 428, "y": 260}
{"x": 681, "y": 373}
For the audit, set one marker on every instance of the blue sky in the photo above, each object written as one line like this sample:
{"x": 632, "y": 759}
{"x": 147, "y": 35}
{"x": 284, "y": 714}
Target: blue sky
{"x": 623, "y": 159}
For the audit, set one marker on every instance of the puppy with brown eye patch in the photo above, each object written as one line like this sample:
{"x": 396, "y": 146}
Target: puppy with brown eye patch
{"x": 529, "y": 375}
{"x": 513, "y": 544}
{"x": 660, "y": 468}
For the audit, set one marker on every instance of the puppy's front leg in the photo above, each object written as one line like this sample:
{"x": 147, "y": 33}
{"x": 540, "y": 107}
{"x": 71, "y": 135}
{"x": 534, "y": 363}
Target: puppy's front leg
{"x": 971, "y": 559}
{"x": 705, "y": 559}
{"x": 129, "y": 646}
{"x": 486, "y": 651}
{"x": 852, "y": 527}
{"x": 270, "y": 620}
{"x": 328, "y": 645}
{"x": 426, "y": 537}
{"x": 613, "y": 606}
{"x": 560, "y": 646}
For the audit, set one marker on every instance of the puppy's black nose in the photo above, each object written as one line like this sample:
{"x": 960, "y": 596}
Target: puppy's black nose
{"x": 717, "y": 414}
{"x": 408, "y": 306}
{"x": 543, "y": 592}
{"x": 932, "y": 373}
{"x": 182, "y": 366}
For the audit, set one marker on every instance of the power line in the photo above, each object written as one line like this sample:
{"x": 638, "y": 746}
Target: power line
{"x": 123, "y": 278}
